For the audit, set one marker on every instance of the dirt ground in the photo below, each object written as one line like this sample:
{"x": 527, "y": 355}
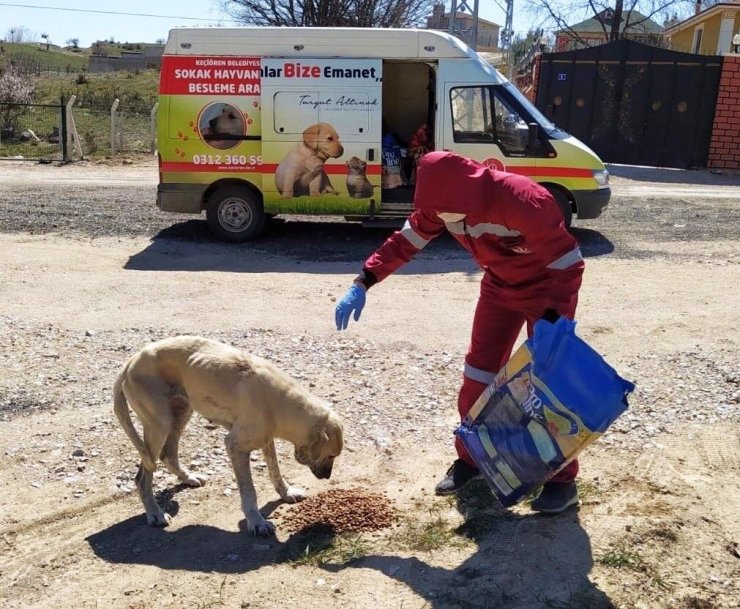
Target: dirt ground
{"x": 659, "y": 520}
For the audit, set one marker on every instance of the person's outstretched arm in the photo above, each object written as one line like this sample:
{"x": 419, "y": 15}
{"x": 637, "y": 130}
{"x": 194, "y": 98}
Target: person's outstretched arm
{"x": 419, "y": 229}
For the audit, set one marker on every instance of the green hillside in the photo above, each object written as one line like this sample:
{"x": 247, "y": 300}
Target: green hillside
{"x": 35, "y": 57}
{"x": 136, "y": 91}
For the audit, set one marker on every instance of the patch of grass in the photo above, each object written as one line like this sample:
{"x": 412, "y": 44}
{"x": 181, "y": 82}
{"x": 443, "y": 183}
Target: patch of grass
{"x": 620, "y": 557}
{"x": 587, "y": 490}
{"x": 659, "y": 582}
{"x": 320, "y": 545}
{"x": 427, "y": 536}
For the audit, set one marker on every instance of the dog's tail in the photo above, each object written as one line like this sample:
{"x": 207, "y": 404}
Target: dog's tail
{"x": 120, "y": 407}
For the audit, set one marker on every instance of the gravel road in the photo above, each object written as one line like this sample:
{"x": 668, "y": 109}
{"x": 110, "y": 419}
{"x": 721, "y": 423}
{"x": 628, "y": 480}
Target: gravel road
{"x": 648, "y": 206}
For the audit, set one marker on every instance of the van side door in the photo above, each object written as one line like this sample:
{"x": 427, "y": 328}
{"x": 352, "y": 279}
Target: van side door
{"x": 321, "y": 135}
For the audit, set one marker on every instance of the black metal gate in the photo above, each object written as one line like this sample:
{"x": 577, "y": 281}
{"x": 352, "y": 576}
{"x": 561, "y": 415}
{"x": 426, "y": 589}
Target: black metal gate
{"x": 633, "y": 103}
{"x": 33, "y": 132}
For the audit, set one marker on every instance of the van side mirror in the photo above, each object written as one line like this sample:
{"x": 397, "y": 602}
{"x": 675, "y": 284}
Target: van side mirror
{"x": 534, "y": 135}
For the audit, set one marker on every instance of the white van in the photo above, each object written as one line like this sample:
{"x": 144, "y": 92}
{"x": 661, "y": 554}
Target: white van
{"x": 266, "y": 121}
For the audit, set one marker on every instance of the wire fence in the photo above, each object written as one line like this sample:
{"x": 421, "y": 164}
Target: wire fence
{"x": 68, "y": 132}
{"x": 31, "y": 132}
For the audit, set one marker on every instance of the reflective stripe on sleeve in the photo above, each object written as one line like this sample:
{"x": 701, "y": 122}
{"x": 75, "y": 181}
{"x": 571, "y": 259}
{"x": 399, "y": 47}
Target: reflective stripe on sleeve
{"x": 478, "y": 375}
{"x": 566, "y": 260}
{"x": 413, "y": 237}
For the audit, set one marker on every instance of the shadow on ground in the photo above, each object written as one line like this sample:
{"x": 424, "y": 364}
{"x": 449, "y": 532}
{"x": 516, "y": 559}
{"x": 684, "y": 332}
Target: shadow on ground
{"x": 519, "y": 561}
{"x": 309, "y": 247}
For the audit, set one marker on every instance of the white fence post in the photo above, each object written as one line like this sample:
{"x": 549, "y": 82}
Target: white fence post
{"x": 72, "y": 128}
{"x": 153, "y": 129}
{"x": 113, "y": 109}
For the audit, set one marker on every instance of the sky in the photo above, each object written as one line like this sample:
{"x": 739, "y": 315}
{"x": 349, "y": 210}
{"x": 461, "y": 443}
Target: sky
{"x": 41, "y": 17}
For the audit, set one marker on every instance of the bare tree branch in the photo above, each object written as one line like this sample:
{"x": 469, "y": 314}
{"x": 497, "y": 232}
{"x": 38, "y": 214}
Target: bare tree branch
{"x": 329, "y": 13}
{"x": 626, "y": 17}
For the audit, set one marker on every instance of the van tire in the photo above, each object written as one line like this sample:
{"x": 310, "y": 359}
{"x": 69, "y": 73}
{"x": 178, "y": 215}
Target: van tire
{"x": 235, "y": 214}
{"x": 564, "y": 203}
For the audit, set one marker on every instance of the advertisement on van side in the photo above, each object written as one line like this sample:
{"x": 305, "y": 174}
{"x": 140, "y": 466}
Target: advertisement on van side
{"x": 213, "y": 117}
{"x": 321, "y": 152}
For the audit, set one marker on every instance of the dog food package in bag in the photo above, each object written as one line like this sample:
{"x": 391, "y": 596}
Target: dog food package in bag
{"x": 391, "y": 165}
{"x": 553, "y": 397}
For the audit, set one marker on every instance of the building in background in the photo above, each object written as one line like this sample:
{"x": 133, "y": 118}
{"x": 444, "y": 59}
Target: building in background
{"x": 150, "y": 56}
{"x": 488, "y": 32}
{"x": 595, "y": 31}
{"x": 707, "y": 32}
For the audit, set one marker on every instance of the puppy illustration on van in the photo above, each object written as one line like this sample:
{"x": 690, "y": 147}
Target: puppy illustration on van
{"x": 219, "y": 120}
{"x": 358, "y": 186}
{"x": 301, "y": 172}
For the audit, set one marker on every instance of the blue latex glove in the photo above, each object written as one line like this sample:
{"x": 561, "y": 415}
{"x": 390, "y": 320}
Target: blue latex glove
{"x": 354, "y": 300}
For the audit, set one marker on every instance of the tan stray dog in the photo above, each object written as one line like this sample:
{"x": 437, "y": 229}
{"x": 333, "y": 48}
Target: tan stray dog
{"x": 169, "y": 379}
{"x": 229, "y": 121}
{"x": 301, "y": 172}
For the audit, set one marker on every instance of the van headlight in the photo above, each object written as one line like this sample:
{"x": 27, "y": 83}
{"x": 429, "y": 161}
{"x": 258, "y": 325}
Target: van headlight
{"x": 602, "y": 177}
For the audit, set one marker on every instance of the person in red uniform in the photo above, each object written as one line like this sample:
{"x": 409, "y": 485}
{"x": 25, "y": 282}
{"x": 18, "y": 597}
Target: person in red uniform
{"x": 532, "y": 268}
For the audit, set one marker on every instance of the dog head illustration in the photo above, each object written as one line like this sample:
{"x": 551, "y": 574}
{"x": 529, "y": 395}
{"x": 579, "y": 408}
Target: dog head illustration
{"x": 228, "y": 121}
{"x": 324, "y": 140}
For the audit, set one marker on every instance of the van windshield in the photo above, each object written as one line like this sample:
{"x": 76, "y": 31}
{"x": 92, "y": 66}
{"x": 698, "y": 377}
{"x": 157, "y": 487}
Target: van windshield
{"x": 526, "y": 107}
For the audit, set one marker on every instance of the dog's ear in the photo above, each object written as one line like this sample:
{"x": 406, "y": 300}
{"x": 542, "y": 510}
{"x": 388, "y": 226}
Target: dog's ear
{"x": 311, "y": 452}
{"x": 311, "y": 136}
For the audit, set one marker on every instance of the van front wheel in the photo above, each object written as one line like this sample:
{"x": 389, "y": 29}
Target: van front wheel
{"x": 564, "y": 205}
{"x": 235, "y": 214}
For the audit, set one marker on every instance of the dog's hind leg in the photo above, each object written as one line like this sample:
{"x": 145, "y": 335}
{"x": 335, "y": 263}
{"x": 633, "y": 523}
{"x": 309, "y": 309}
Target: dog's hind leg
{"x": 291, "y": 494}
{"x": 155, "y": 436}
{"x": 256, "y": 523}
{"x": 181, "y": 413}
{"x": 151, "y": 403}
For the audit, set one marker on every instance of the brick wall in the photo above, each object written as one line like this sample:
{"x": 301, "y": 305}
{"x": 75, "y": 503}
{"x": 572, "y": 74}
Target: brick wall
{"x": 724, "y": 147}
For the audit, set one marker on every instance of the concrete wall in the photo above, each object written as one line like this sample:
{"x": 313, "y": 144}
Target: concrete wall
{"x": 129, "y": 62}
{"x": 724, "y": 147}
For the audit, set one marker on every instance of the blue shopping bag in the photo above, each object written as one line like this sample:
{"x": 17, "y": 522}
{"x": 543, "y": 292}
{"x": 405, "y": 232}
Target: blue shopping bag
{"x": 553, "y": 397}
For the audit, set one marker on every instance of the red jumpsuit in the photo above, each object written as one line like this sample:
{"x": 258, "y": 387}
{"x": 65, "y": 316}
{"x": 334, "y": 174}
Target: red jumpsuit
{"x": 514, "y": 230}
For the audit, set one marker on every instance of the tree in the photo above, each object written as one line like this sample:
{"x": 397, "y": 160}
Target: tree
{"x": 20, "y": 33}
{"x": 616, "y": 18}
{"x": 16, "y": 91}
{"x": 99, "y": 48}
{"x": 329, "y": 13}
{"x": 73, "y": 42}
{"x": 521, "y": 45}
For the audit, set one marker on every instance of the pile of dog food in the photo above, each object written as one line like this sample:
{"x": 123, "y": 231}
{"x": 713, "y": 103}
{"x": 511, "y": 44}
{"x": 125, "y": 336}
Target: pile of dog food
{"x": 341, "y": 511}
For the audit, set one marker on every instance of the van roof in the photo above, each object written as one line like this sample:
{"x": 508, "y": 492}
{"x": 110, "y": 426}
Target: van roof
{"x": 382, "y": 43}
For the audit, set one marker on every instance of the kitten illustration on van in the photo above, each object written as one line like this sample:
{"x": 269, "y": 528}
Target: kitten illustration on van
{"x": 358, "y": 186}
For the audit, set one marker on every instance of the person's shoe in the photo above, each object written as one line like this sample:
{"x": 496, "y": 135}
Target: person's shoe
{"x": 459, "y": 474}
{"x": 556, "y": 497}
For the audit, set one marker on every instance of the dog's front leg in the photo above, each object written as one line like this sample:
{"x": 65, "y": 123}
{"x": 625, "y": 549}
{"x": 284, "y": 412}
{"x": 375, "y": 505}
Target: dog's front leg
{"x": 325, "y": 187}
{"x": 256, "y": 523}
{"x": 291, "y": 494}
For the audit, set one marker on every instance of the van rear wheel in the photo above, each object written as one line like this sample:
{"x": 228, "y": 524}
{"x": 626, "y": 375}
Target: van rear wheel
{"x": 235, "y": 214}
{"x": 564, "y": 204}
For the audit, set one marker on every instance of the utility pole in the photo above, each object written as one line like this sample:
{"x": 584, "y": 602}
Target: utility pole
{"x": 507, "y": 35}
{"x": 468, "y": 35}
